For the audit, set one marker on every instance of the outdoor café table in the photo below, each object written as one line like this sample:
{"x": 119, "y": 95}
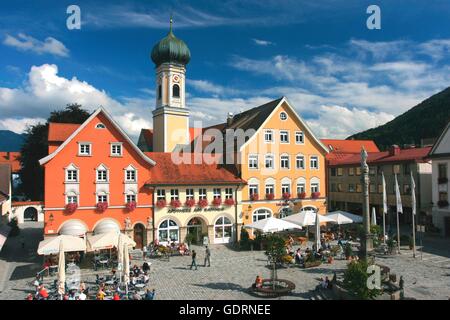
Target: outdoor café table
{"x": 103, "y": 263}
{"x": 109, "y": 282}
{"x": 140, "y": 285}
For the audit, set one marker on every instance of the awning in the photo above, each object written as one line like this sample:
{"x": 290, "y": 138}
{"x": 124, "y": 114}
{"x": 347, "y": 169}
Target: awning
{"x": 105, "y": 226}
{"x": 73, "y": 228}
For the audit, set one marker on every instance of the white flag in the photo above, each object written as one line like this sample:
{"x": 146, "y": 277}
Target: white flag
{"x": 413, "y": 194}
{"x": 385, "y": 207}
{"x": 398, "y": 199}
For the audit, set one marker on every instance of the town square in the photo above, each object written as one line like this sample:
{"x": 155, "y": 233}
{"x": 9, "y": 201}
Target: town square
{"x": 216, "y": 174}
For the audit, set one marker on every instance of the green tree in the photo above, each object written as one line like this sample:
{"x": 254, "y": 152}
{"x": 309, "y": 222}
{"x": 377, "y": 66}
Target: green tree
{"x": 35, "y": 147}
{"x": 276, "y": 248}
{"x": 355, "y": 280}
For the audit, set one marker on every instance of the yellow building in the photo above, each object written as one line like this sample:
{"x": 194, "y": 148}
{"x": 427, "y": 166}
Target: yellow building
{"x": 281, "y": 160}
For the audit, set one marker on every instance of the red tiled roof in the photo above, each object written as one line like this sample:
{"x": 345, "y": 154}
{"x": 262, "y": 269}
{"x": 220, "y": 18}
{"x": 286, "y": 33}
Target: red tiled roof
{"x": 27, "y": 203}
{"x": 13, "y": 160}
{"x": 166, "y": 172}
{"x": 412, "y": 154}
{"x": 59, "y": 132}
{"x": 350, "y": 146}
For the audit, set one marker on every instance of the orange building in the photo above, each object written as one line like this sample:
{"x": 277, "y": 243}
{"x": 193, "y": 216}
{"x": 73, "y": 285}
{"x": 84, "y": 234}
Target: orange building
{"x": 95, "y": 180}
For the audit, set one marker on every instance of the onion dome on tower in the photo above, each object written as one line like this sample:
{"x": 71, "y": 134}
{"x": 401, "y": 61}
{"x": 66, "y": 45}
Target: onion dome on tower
{"x": 171, "y": 50}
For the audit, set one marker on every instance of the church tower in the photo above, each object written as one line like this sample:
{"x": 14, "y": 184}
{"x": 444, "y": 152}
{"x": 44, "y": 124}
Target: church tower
{"x": 170, "y": 117}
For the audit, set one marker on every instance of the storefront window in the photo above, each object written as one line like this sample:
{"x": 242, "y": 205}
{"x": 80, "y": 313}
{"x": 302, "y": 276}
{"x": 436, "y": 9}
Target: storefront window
{"x": 168, "y": 231}
{"x": 223, "y": 230}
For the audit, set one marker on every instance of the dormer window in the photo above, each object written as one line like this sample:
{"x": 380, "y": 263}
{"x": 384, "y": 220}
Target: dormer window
{"x": 176, "y": 91}
{"x": 84, "y": 149}
{"x": 116, "y": 149}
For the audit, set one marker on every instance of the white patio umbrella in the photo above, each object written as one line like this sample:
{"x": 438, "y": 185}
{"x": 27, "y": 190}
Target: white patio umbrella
{"x": 374, "y": 217}
{"x": 126, "y": 263}
{"x": 307, "y": 218}
{"x": 342, "y": 217}
{"x": 272, "y": 225}
{"x": 317, "y": 231}
{"x": 61, "y": 269}
{"x": 108, "y": 240}
{"x": 53, "y": 245}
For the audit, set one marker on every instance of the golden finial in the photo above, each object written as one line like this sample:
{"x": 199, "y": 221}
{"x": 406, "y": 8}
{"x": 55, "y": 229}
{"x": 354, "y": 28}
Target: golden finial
{"x": 171, "y": 21}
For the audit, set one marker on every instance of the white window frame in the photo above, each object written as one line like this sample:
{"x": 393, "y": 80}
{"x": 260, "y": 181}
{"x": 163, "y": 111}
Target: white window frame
{"x": 160, "y": 194}
{"x": 281, "y": 116}
{"x": 202, "y": 194}
{"x": 301, "y": 187}
{"x": 283, "y": 159}
{"x": 102, "y": 195}
{"x": 100, "y": 126}
{"x": 228, "y": 193}
{"x": 313, "y": 185}
{"x": 270, "y": 186}
{"x": 190, "y": 194}
{"x": 217, "y": 193}
{"x": 68, "y": 198}
{"x": 284, "y": 186}
{"x": 297, "y": 159}
{"x": 116, "y": 144}
{"x": 299, "y": 134}
{"x": 253, "y": 187}
{"x": 251, "y": 161}
{"x": 72, "y": 168}
{"x": 310, "y": 162}
{"x": 80, "y": 147}
{"x": 271, "y": 156}
{"x": 174, "y": 194}
{"x": 286, "y": 133}
{"x": 272, "y": 135}
{"x": 130, "y": 194}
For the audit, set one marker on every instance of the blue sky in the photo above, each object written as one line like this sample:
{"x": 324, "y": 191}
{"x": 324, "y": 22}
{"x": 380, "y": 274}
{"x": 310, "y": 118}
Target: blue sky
{"x": 340, "y": 76}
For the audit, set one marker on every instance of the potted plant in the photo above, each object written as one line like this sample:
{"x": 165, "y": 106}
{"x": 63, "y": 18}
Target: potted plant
{"x": 161, "y": 203}
{"x": 254, "y": 197}
{"x": 286, "y": 196}
{"x": 130, "y": 206}
{"x": 202, "y": 203}
{"x": 71, "y": 207}
{"x": 348, "y": 251}
{"x": 190, "y": 203}
{"x": 175, "y": 203}
{"x": 270, "y": 196}
{"x": 301, "y": 195}
{"x": 102, "y": 206}
{"x": 229, "y": 202}
{"x": 315, "y": 195}
{"x": 217, "y": 201}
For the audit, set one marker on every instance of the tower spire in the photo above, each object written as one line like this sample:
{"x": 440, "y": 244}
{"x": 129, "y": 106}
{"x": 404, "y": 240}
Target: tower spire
{"x": 171, "y": 22}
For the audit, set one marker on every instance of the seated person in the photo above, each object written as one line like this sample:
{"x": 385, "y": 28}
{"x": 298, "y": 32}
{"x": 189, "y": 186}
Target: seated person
{"x": 43, "y": 293}
{"x": 298, "y": 256}
{"x": 100, "y": 294}
{"x": 116, "y": 296}
{"x": 149, "y": 295}
{"x": 258, "y": 282}
{"x": 146, "y": 278}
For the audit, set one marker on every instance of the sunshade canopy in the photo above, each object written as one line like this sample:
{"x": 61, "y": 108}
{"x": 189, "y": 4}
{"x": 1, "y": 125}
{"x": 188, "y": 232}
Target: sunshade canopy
{"x": 272, "y": 225}
{"x": 52, "y": 245}
{"x": 342, "y": 217}
{"x": 108, "y": 240}
{"x": 306, "y": 218}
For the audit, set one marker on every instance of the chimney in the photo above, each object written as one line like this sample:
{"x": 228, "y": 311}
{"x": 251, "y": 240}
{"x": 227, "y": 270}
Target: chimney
{"x": 394, "y": 150}
{"x": 230, "y": 118}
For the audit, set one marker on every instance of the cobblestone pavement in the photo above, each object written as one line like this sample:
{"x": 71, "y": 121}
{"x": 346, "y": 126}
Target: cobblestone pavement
{"x": 232, "y": 273}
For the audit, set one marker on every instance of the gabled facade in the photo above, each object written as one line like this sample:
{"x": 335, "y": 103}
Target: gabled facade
{"x": 440, "y": 154}
{"x": 96, "y": 169}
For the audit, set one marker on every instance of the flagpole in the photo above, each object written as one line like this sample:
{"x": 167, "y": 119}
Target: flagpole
{"x": 413, "y": 212}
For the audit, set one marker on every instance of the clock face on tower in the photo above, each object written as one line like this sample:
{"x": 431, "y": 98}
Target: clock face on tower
{"x": 176, "y": 78}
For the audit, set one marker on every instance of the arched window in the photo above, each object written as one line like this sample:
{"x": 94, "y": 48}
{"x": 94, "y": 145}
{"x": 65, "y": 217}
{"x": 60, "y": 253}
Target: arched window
{"x": 261, "y": 214}
{"x": 285, "y": 212}
{"x": 176, "y": 91}
{"x": 168, "y": 231}
{"x": 223, "y": 229}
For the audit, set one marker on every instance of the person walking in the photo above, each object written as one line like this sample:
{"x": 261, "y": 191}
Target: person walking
{"x": 194, "y": 262}
{"x": 207, "y": 256}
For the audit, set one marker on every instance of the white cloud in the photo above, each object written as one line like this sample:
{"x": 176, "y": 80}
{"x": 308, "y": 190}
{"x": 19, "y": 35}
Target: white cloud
{"x": 24, "y": 42}
{"x": 339, "y": 122}
{"x": 19, "y": 125}
{"x": 263, "y": 43}
{"x": 45, "y": 91}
